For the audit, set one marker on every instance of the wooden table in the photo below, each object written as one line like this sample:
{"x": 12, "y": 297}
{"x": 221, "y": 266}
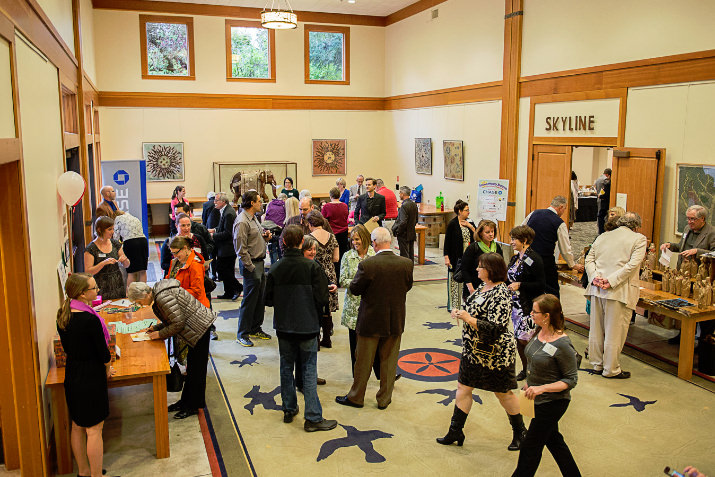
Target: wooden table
{"x": 435, "y": 221}
{"x": 688, "y": 317}
{"x": 421, "y": 231}
{"x": 142, "y": 362}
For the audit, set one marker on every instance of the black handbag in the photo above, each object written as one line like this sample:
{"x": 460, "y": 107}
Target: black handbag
{"x": 175, "y": 380}
{"x": 457, "y": 275}
{"x": 209, "y": 284}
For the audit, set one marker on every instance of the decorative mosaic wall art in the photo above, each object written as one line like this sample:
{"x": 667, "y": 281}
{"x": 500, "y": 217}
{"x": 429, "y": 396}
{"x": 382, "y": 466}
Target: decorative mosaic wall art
{"x": 164, "y": 161}
{"x": 423, "y": 155}
{"x": 329, "y": 157}
{"x": 453, "y": 160}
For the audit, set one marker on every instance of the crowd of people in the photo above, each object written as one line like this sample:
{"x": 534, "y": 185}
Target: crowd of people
{"x": 507, "y": 309}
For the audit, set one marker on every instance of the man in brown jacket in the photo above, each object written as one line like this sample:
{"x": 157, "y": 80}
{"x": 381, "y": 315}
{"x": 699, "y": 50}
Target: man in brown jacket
{"x": 108, "y": 206}
{"x": 383, "y": 282}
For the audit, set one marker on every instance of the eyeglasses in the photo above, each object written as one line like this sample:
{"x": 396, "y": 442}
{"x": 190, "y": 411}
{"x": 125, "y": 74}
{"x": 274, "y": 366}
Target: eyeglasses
{"x": 176, "y": 253}
{"x": 536, "y": 312}
{"x": 692, "y": 219}
{"x": 96, "y": 288}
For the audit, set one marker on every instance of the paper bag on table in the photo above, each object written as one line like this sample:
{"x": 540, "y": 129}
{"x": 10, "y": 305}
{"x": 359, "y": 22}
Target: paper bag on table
{"x": 526, "y": 405}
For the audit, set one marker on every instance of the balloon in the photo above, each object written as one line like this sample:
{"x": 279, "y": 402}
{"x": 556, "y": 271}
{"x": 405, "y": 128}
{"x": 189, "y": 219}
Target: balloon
{"x": 70, "y": 186}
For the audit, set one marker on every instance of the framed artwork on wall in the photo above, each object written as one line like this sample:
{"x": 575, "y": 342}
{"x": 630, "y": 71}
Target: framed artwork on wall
{"x": 329, "y": 157}
{"x": 695, "y": 185}
{"x": 453, "y": 160}
{"x": 423, "y": 155}
{"x": 164, "y": 161}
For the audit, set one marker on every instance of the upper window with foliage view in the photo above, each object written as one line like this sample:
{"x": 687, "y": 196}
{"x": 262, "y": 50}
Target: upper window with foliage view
{"x": 167, "y": 47}
{"x": 327, "y": 54}
{"x": 250, "y": 51}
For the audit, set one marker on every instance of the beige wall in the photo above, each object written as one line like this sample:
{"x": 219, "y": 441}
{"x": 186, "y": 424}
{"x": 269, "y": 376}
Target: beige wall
{"x": 7, "y": 116}
{"x": 43, "y": 163}
{"x": 589, "y": 162}
{"x": 464, "y": 45}
{"x": 679, "y": 118}
{"x": 60, "y": 14}
{"x": 477, "y": 125}
{"x": 119, "y": 62}
{"x": 246, "y": 136}
{"x": 87, "y": 19}
{"x": 565, "y": 34}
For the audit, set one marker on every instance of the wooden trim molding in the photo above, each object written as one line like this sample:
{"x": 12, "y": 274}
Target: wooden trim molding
{"x": 189, "y": 22}
{"x": 237, "y": 101}
{"x": 463, "y": 94}
{"x": 696, "y": 66}
{"x": 233, "y": 12}
{"x": 7, "y": 28}
{"x": 345, "y": 31}
{"x": 271, "y": 52}
{"x": 10, "y": 149}
{"x": 411, "y": 10}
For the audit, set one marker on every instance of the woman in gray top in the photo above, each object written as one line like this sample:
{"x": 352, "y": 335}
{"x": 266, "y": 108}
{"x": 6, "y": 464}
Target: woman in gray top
{"x": 551, "y": 373}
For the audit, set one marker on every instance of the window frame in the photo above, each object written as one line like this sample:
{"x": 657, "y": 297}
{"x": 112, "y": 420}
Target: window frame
{"x": 189, "y": 22}
{"x": 346, "y": 52}
{"x": 271, "y": 51}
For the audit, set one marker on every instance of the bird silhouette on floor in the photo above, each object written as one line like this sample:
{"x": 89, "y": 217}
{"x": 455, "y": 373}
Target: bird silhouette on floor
{"x": 589, "y": 371}
{"x": 360, "y": 439}
{"x": 228, "y": 314}
{"x": 267, "y": 400}
{"x": 439, "y": 326}
{"x": 250, "y": 360}
{"x": 455, "y": 342}
{"x": 637, "y": 404}
{"x": 450, "y": 396}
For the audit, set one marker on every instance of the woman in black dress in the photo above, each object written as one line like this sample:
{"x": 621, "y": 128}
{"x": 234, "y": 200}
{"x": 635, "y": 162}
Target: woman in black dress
{"x": 457, "y": 238}
{"x": 101, "y": 258}
{"x": 488, "y": 351}
{"x": 483, "y": 243}
{"x": 526, "y": 280}
{"x": 328, "y": 254}
{"x": 84, "y": 338}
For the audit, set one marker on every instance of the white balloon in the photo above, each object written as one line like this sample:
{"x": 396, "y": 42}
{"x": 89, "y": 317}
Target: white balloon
{"x": 70, "y": 186}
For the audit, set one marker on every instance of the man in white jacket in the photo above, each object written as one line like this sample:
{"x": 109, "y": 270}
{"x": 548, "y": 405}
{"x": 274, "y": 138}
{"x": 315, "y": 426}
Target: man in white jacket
{"x": 612, "y": 266}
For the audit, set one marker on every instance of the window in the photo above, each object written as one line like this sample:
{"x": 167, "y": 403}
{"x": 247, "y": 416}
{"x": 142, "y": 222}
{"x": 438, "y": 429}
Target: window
{"x": 250, "y": 52}
{"x": 167, "y": 47}
{"x": 327, "y": 54}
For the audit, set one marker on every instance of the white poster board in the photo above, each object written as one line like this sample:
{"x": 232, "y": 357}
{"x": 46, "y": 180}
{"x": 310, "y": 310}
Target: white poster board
{"x": 492, "y": 199}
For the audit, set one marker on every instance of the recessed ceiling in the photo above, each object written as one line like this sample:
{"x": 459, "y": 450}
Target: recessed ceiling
{"x": 380, "y": 8}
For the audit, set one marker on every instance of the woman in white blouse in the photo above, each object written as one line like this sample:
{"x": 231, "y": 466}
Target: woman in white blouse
{"x": 129, "y": 230}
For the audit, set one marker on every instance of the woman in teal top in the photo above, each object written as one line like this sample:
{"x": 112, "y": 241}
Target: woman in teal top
{"x": 288, "y": 189}
{"x": 361, "y": 249}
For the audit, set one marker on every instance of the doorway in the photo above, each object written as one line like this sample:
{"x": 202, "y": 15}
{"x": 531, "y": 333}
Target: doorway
{"x": 77, "y": 227}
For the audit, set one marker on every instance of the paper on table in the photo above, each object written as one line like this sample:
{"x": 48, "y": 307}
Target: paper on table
{"x": 526, "y": 405}
{"x": 140, "y": 337}
{"x": 123, "y": 302}
{"x": 665, "y": 257}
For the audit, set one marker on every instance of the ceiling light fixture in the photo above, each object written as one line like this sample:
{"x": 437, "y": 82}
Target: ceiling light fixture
{"x": 278, "y": 19}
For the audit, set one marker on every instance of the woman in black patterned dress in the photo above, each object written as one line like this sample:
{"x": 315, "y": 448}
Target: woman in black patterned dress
{"x": 101, "y": 259}
{"x": 488, "y": 354}
{"x": 328, "y": 253}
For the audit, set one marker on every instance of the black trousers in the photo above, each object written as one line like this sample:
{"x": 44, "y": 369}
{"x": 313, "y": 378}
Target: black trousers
{"x": 343, "y": 246}
{"x": 193, "y": 396}
{"x": 407, "y": 248}
{"x": 352, "y": 334}
{"x": 544, "y": 431}
{"x": 226, "y": 269}
{"x": 551, "y": 276}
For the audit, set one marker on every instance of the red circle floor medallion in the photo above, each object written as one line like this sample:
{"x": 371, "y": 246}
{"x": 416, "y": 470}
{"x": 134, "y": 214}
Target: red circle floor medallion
{"x": 429, "y": 364}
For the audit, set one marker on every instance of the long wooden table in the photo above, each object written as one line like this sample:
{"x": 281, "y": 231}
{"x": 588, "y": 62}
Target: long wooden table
{"x": 142, "y": 362}
{"x": 688, "y": 316}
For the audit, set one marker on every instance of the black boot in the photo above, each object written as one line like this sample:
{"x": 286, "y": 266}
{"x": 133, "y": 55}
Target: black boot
{"x": 519, "y": 431}
{"x": 455, "y": 428}
{"x": 326, "y": 323}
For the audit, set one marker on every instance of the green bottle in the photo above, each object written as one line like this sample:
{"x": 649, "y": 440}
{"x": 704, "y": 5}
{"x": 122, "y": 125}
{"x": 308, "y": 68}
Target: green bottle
{"x": 439, "y": 202}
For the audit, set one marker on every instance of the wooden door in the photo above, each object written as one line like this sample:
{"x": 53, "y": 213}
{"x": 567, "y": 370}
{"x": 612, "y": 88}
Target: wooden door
{"x": 550, "y": 175}
{"x": 638, "y": 173}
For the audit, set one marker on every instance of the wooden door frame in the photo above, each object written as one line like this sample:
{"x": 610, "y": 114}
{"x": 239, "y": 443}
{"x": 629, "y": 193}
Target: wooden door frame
{"x": 620, "y": 93}
{"x": 531, "y": 189}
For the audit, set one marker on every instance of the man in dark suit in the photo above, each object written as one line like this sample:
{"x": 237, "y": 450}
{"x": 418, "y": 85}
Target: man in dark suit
{"x": 404, "y": 226}
{"x": 370, "y": 205}
{"x": 383, "y": 282}
{"x": 225, "y": 253}
{"x": 210, "y": 215}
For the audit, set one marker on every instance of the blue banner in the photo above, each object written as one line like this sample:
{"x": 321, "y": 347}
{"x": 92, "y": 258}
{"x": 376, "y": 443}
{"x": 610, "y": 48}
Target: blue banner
{"x": 129, "y": 181}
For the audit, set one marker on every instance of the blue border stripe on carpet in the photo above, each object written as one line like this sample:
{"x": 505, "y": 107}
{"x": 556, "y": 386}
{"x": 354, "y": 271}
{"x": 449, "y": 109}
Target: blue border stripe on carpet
{"x": 214, "y": 442}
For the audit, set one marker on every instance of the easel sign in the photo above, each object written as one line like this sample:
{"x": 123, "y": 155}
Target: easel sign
{"x": 492, "y": 197}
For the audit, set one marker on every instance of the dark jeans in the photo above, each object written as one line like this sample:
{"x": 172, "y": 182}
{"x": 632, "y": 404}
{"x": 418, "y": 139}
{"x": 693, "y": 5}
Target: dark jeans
{"x": 306, "y": 352}
{"x": 407, "y": 248}
{"x": 193, "y": 396}
{"x": 226, "y": 270}
{"x": 352, "y": 334}
{"x": 250, "y": 315}
{"x": 544, "y": 431}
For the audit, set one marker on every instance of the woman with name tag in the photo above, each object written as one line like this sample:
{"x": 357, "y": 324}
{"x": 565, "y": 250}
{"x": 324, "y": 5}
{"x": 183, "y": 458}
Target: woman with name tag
{"x": 101, "y": 258}
{"x": 525, "y": 277}
{"x": 488, "y": 351}
{"x": 483, "y": 243}
{"x": 551, "y": 374}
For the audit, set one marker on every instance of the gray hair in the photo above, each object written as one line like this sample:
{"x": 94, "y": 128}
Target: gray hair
{"x": 222, "y": 196}
{"x": 138, "y": 291}
{"x": 700, "y": 211}
{"x": 304, "y": 193}
{"x": 341, "y": 181}
{"x": 631, "y": 220}
{"x": 360, "y": 175}
{"x": 381, "y": 235}
{"x": 308, "y": 242}
{"x": 282, "y": 197}
{"x": 210, "y": 195}
{"x": 406, "y": 190}
{"x": 379, "y": 183}
{"x": 558, "y": 201}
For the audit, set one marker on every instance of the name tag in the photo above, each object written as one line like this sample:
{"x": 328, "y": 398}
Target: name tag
{"x": 101, "y": 255}
{"x": 480, "y": 299}
{"x": 529, "y": 261}
{"x": 549, "y": 349}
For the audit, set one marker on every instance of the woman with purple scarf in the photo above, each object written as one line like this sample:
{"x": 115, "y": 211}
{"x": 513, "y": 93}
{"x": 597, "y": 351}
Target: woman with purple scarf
{"x": 85, "y": 338}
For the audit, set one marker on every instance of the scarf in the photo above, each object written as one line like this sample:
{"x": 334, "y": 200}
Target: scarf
{"x": 78, "y": 305}
{"x": 490, "y": 248}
